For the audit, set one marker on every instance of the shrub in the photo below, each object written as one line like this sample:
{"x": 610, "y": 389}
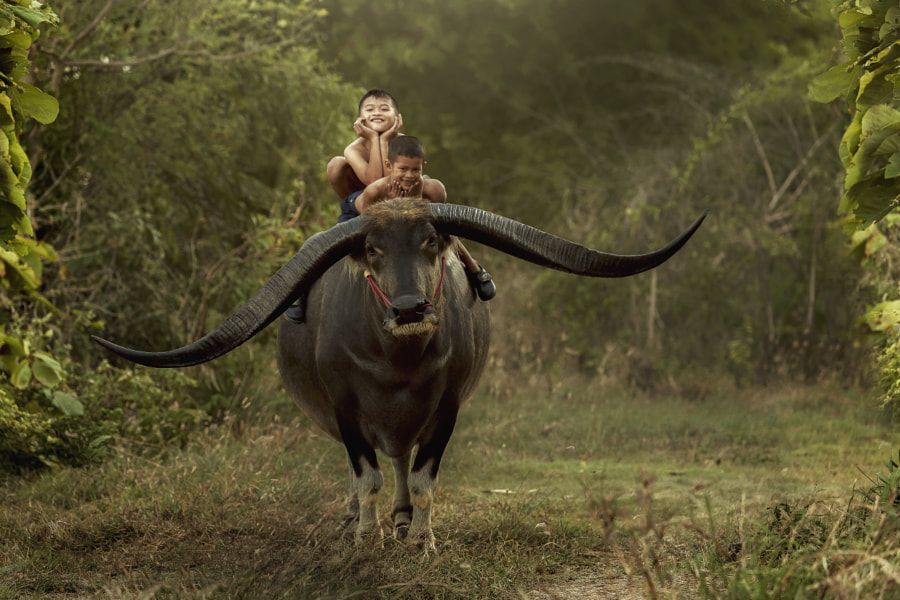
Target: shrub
{"x": 56, "y": 411}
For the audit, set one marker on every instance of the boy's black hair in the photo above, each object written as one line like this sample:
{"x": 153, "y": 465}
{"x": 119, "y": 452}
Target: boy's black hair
{"x": 376, "y": 93}
{"x": 406, "y": 145}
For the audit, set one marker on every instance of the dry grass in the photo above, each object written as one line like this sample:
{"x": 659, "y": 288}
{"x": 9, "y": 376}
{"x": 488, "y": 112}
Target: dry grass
{"x": 550, "y": 489}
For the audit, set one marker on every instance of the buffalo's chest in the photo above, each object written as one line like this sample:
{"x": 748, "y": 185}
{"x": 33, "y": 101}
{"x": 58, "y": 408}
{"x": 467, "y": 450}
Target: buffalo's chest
{"x": 395, "y": 423}
{"x": 397, "y": 411}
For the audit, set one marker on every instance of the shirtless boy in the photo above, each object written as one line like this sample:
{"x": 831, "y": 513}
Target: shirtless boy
{"x": 404, "y": 166}
{"x": 363, "y": 161}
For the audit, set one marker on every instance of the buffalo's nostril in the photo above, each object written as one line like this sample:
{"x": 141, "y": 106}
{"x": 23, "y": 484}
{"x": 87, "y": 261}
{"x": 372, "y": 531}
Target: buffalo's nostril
{"x": 408, "y": 309}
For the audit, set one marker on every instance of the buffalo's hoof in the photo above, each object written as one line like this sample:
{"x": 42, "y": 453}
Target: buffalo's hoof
{"x": 423, "y": 541}
{"x": 370, "y": 539}
{"x": 401, "y": 531}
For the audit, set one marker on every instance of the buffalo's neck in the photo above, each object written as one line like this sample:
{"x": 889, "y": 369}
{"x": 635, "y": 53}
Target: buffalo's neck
{"x": 412, "y": 352}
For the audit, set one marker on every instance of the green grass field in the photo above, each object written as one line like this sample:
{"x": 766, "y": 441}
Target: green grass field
{"x": 549, "y": 489}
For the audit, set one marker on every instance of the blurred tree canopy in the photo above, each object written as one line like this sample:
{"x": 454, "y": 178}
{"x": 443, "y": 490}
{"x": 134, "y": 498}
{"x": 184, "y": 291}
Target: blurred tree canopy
{"x": 190, "y": 133}
{"x": 616, "y": 124}
{"x": 522, "y": 100}
{"x": 188, "y": 162}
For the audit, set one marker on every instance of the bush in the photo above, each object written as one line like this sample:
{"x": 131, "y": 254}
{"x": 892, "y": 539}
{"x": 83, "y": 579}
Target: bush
{"x": 76, "y": 415}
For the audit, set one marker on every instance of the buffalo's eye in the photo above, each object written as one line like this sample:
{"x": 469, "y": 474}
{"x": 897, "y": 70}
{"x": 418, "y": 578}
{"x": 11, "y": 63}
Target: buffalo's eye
{"x": 372, "y": 251}
{"x": 431, "y": 243}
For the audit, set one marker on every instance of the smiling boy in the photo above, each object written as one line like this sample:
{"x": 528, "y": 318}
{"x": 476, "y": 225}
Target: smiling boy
{"x": 405, "y": 166}
{"x": 377, "y": 125}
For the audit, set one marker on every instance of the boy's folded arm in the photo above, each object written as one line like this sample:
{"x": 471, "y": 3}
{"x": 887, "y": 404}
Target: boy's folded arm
{"x": 374, "y": 192}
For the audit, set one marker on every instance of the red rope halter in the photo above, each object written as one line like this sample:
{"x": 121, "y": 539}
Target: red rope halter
{"x": 382, "y": 297}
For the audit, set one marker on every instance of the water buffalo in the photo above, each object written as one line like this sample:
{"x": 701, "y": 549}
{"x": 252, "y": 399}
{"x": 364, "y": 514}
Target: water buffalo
{"x": 394, "y": 340}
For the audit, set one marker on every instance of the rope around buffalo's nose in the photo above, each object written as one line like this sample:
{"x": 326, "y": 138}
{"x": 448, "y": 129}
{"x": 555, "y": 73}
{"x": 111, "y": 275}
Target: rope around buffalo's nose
{"x": 382, "y": 297}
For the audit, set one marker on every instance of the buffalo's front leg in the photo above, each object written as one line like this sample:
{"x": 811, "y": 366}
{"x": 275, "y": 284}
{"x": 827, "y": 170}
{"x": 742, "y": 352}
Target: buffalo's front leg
{"x": 422, "y": 482}
{"x": 351, "y": 520}
{"x": 365, "y": 481}
{"x": 402, "y": 510}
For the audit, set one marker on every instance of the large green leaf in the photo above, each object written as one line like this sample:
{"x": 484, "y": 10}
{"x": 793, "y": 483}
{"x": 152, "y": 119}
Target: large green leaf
{"x": 36, "y": 104}
{"x": 7, "y": 119}
{"x": 11, "y": 350}
{"x": 874, "y": 88}
{"x": 47, "y": 370}
{"x": 892, "y": 169}
{"x": 879, "y": 118}
{"x": 834, "y": 82}
{"x": 10, "y": 189}
{"x": 18, "y": 160}
{"x": 30, "y": 278}
{"x": 854, "y": 16}
{"x": 874, "y": 202}
{"x": 16, "y": 39}
{"x": 850, "y": 140}
{"x": 883, "y": 316}
{"x": 45, "y": 375}
{"x": 69, "y": 405}
{"x": 21, "y": 375}
{"x": 32, "y": 17}
{"x": 878, "y": 124}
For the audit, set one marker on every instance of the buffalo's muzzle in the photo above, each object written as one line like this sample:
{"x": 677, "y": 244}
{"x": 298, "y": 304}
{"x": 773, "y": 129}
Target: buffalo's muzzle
{"x": 409, "y": 309}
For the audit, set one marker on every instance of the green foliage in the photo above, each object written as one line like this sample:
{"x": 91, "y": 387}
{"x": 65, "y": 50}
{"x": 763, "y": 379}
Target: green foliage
{"x": 526, "y": 104}
{"x": 877, "y": 248}
{"x": 766, "y": 280}
{"x": 189, "y": 159}
{"x": 195, "y": 134}
{"x": 56, "y": 411}
{"x": 870, "y": 147}
{"x": 21, "y": 256}
{"x": 26, "y": 439}
{"x": 772, "y": 240}
{"x": 20, "y": 22}
{"x": 870, "y": 152}
{"x": 889, "y": 367}
{"x": 187, "y": 166}
{"x": 31, "y": 389}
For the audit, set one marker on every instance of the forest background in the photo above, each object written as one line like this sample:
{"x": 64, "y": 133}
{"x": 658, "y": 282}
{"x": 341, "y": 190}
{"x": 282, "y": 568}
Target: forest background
{"x": 187, "y": 163}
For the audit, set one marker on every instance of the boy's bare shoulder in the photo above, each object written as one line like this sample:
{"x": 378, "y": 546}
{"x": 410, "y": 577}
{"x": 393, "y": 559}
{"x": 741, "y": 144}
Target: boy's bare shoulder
{"x": 357, "y": 148}
{"x": 433, "y": 190}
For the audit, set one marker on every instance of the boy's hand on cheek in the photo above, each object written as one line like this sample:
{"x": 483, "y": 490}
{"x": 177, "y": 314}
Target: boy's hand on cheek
{"x": 363, "y": 131}
{"x": 415, "y": 191}
{"x": 394, "y": 129}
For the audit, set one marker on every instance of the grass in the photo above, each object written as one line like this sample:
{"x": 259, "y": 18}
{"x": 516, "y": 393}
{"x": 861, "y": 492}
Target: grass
{"x": 551, "y": 488}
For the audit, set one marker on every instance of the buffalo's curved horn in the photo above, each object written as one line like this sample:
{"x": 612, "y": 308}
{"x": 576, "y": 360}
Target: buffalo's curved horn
{"x": 324, "y": 249}
{"x": 541, "y": 248}
{"x": 319, "y": 253}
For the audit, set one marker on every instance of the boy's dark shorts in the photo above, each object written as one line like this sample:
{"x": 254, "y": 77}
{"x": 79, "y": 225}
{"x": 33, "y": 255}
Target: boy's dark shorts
{"x": 348, "y": 208}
